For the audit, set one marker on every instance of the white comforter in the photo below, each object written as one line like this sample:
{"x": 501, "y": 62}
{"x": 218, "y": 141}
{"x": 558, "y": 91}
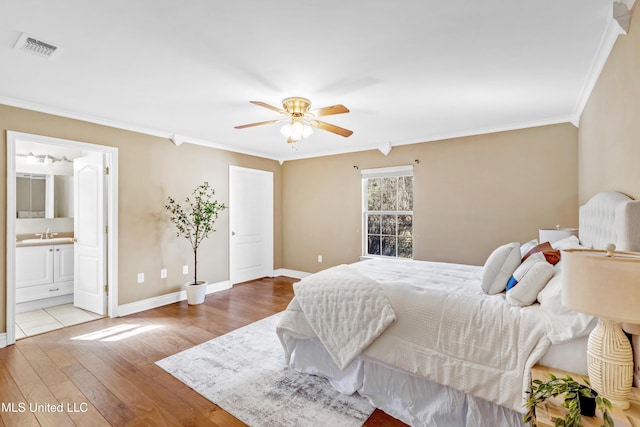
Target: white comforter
{"x": 449, "y": 331}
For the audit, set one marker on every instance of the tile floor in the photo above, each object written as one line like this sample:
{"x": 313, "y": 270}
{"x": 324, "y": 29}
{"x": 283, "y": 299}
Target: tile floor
{"x": 51, "y": 318}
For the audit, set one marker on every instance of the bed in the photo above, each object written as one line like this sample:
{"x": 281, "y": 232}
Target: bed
{"x": 439, "y": 344}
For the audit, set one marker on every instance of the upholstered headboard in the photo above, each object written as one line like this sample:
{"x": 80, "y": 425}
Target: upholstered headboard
{"x": 610, "y": 217}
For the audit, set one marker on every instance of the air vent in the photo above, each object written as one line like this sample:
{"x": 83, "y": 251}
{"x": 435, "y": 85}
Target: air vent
{"x": 36, "y": 47}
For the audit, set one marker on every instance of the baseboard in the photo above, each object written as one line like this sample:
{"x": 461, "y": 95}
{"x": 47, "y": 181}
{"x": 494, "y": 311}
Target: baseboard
{"x": 38, "y": 304}
{"x": 3, "y": 340}
{"x": 155, "y": 302}
{"x": 290, "y": 273}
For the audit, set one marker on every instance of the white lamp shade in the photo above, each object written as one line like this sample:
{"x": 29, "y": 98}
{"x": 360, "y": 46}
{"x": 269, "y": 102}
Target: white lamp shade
{"x": 607, "y": 287}
{"x": 552, "y": 235}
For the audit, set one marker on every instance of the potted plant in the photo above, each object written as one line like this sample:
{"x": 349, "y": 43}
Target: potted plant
{"x": 194, "y": 222}
{"x": 579, "y": 399}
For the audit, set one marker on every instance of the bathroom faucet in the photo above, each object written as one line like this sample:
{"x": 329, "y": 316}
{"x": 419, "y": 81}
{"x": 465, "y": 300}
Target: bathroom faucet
{"x": 46, "y": 235}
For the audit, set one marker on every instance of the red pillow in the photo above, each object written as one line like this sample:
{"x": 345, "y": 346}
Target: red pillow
{"x": 551, "y": 255}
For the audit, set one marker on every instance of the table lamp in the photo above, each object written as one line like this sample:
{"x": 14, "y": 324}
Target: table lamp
{"x": 605, "y": 284}
{"x": 552, "y": 235}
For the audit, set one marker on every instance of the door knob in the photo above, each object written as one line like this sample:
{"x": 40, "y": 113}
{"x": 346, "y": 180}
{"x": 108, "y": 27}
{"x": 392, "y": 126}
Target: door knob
{"x": 233, "y": 233}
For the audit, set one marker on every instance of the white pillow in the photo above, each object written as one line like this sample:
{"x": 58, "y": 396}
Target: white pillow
{"x": 499, "y": 267}
{"x": 532, "y": 281}
{"x": 550, "y": 295}
{"x": 526, "y": 247}
{"x": 570, "y": 242}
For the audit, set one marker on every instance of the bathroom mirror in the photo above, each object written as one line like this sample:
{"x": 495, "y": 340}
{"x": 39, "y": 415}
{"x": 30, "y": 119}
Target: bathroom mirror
{"x": 43, "y": 196}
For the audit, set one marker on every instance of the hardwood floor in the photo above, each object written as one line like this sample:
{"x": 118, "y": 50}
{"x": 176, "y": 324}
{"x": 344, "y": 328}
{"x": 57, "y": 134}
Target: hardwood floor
{"x": 103, "y": 372}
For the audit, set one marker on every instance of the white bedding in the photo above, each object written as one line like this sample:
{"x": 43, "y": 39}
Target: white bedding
{"x": 449, "y": 331}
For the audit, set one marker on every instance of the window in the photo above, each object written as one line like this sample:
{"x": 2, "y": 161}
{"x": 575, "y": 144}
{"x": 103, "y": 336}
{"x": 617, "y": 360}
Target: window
{"x": 387, "y": 196}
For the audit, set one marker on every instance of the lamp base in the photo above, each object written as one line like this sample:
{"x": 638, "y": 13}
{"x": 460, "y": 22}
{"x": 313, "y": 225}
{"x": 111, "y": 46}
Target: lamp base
{"x": 610, "y": 362}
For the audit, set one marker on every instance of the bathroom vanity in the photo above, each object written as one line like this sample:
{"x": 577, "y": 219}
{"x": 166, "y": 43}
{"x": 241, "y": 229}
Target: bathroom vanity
{"x": 44, "y": 273}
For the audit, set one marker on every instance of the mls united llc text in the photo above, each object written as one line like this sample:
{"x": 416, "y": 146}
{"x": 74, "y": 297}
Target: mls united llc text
{"x": 20, "y": 407}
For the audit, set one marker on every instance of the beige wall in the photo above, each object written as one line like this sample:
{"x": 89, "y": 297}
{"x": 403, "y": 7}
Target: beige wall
{"x": 471, "y": 194}
{"x": 151, "y": 169}
{"x": 609, "y": 136}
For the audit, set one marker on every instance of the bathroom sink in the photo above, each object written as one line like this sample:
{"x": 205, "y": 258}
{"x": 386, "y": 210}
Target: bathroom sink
{"x": 51, "y": 240}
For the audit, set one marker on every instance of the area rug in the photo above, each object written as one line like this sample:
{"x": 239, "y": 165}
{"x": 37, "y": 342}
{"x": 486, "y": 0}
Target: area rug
{"x": 244, "y": 373}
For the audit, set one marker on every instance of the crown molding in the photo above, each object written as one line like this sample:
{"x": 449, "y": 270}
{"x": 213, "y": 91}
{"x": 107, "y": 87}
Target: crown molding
{"x": 179, "y": 139}
{"x": 604, "y": 49}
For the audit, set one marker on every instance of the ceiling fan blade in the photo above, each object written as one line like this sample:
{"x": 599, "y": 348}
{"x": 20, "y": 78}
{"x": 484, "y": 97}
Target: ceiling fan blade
{"x": 331, "y": 128}
{"x": 268, "y": 122}
{"x": 330, "y": 111}
{"x": 268, "y": 106}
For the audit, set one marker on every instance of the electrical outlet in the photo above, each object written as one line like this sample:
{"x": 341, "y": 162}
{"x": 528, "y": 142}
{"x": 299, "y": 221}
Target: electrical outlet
{"x": 185, "y": 269}
{"x": 140, "y": 277}
{"x": 319, "y": 258}
{"x": 163, "y": 273}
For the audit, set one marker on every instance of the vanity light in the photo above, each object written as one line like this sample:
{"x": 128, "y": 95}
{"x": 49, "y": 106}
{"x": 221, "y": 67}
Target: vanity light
{"x": 45, "y": 159}
{"x": 31, "y": 159}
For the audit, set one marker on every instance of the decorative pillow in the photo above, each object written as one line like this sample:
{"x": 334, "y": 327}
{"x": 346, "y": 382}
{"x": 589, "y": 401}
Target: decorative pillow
{"x": 526, "y": 247}
{"x": 552, "y": 255}
{"x": 522, "y": 269}
{"x": 499, "y": 267}
{"x": 528, "y": 280}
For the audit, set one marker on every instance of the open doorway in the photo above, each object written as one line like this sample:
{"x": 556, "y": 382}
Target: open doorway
{"x": 61, "y": 251}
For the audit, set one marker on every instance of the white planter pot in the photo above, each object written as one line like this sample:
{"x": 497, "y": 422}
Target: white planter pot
{"x": 195, "y": 292}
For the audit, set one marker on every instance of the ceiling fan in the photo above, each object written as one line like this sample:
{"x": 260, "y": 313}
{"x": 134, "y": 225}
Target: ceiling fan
{"x": 299, "y": 121}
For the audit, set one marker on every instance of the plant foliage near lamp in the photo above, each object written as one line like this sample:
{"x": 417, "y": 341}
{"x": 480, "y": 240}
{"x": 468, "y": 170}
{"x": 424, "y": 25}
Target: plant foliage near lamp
{"x": 195, "y": 220}
{"x": 541, "y": 391}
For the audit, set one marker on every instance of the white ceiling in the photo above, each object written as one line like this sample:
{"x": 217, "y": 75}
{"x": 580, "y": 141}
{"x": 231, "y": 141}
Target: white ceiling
{"x": 409, "y": 70}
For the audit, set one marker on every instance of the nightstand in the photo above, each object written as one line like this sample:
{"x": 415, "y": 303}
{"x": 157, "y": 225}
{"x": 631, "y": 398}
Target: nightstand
{"x": 547, "y": 413}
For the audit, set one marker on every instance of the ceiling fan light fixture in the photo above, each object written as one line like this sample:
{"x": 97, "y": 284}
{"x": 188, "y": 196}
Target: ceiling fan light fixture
{"x": 299, "y": 121}
{"x": 286, "y": 130}
{"x": 296, "y": 131}
{"x": 307, "y": 131}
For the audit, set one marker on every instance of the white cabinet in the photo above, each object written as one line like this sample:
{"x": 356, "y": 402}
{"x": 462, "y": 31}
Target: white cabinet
{"x": 43, "y": 272}
{"x": 34, "y": 266}
{"x": 63, "y": 263}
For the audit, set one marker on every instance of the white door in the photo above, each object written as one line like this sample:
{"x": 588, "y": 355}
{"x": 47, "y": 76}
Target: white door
{"x": 250, "y": 224}
{"x": 89, "y": 220}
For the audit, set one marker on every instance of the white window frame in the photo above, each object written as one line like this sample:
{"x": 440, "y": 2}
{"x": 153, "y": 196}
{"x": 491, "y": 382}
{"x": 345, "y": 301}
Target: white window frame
{"x": 387, "y": 172}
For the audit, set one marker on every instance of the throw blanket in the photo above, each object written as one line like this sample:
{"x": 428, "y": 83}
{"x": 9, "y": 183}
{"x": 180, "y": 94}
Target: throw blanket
{"x": 345, "y": 310}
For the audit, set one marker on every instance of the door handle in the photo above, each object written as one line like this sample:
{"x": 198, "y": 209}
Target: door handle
{"x": 233, "y": 233}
